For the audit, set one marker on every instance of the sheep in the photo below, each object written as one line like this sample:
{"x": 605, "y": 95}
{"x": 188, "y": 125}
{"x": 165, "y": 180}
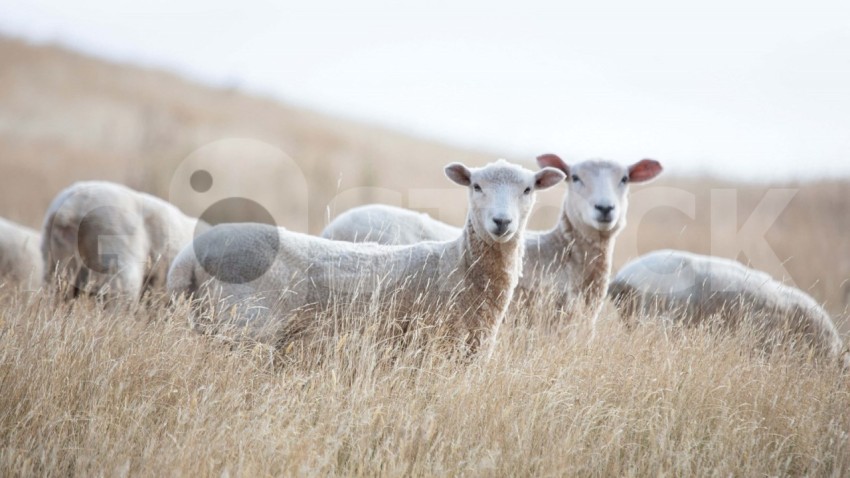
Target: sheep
{"x": 573, "y": 260}
{"x": 111, "y": 241}
{"x": 387, "y": 225}
{"x": 20, "y": 260}
{"x": 270, "y": 275}
{"x": 693, "y": 289}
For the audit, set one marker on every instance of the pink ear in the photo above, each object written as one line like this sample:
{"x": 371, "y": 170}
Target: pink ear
{"x": 550, "y": 160}
{"x": 458, "y": 173}
{"x": 547, "y": 177}
{"x": 644, "y": 170}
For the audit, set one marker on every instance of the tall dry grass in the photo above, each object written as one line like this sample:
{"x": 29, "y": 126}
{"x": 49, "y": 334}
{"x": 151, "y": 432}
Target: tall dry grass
{"x": 87, "y": 391}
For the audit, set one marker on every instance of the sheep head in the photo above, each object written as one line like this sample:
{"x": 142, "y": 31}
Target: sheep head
{"x": 501, "y": 196}
{"x": 598, "y": 191}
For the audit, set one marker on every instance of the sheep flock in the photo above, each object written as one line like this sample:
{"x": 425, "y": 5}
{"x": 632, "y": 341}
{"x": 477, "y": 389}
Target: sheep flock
{"x": 116, "y": 244}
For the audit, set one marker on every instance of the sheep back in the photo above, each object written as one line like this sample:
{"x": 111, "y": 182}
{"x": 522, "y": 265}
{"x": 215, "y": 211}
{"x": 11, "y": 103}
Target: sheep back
{"x": 102, "y": 234}
{"x": 388, "y": 225}
{"x": 691, "y": 289}
{"x": 20, "y": 258}
{"x": 270, "y": 275}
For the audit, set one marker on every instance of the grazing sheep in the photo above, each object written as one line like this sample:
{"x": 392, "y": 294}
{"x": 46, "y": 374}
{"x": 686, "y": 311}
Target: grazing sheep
{"x": 573, "y": 259}
{"x": 110, "y": 240}
{"x": 691, "y": 289}
{"x": 20, "y": 260}
{"x": 262, "y": 270}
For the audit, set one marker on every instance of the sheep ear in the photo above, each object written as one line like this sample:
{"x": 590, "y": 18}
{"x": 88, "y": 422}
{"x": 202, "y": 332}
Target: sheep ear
{"x": 644, "y": 170}
{"x": 548, "y": 177}
{"x": 459, "y": 174}
{"x": 550, "y": 160}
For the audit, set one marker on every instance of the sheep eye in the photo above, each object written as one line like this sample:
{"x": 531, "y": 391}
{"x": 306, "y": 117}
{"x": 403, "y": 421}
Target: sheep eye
{"x": 476, "y": 187}
{"x": 527, "y": 191}
{"x": 624, "y": 180}
{"x": 576, "y": 179}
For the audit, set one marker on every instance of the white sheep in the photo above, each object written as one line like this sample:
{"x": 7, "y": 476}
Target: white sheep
{"x": 687, "y": 288}
{"x": 110, "y": 240}
{"x": 573, "y": 260}
{"x": 20, "y": 259}
{"x": 270, "y": 274}
{"x": 387, "y": 225}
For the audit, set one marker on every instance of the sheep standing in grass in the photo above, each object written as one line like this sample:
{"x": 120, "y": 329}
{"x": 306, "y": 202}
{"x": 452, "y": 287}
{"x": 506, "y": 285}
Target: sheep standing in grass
{"x": 573, "y": 260}
{"x": 688, "y": 288}
{"x": 20, "y": 260}
{"x": 270, "y": 274}
{"x": 110, "y": 240}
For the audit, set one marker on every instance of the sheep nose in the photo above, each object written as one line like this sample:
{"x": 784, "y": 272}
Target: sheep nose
{"x": 605, "y": 210}
{"x": 501, "y": 224}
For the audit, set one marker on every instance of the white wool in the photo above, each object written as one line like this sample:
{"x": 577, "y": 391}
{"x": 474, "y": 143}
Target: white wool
{"x": 387, "y": 225}
{"x": 112, "y": 240}
{"x": 20, "y": 259}
{"x": 679, "y": 286}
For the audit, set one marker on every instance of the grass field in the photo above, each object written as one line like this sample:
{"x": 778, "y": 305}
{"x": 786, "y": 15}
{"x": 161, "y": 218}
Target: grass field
{"x": 92, "y": 391}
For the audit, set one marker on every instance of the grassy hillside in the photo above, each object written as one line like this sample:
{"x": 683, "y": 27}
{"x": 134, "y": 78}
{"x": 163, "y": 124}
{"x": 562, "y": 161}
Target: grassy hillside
{"x": 88, "y": 391}
{"x": 65, "y": 117}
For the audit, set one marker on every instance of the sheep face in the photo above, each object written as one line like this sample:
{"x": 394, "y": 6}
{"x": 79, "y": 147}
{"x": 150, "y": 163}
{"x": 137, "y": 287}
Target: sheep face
{"x": 598, "y": 190}
{"x": 501, "y": 196}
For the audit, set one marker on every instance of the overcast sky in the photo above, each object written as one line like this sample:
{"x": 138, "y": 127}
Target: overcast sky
{"x": 756, "y": 90}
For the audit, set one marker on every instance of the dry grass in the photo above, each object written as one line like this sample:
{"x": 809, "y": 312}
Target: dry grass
{"x": 88, "y": 391}
{"x": 92, "y": 392}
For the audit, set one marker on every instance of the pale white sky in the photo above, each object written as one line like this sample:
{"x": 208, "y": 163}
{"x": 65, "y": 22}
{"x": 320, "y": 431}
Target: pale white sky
{"x": 751, "y": 89}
